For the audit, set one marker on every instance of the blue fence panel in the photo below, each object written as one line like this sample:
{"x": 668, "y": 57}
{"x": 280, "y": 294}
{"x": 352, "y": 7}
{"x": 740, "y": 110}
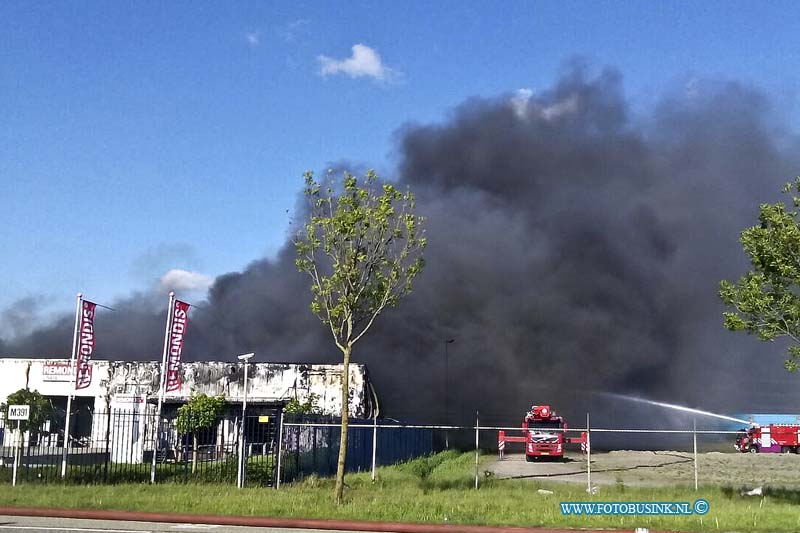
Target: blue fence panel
{"x": 315, "y": 449}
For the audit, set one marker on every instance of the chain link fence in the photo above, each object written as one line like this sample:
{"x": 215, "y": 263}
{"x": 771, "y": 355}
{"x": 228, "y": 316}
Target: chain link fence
{"x": 592, "y": 457}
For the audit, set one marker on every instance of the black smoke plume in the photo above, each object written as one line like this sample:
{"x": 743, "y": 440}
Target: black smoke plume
{"x": 575, "y": 247}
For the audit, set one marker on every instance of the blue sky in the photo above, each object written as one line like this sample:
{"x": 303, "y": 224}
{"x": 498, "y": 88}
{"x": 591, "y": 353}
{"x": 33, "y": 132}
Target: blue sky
{"x": 141, "y": 137}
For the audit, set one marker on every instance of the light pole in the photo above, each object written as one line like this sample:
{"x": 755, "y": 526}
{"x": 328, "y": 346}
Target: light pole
{"x": 446, "y": 394}
{"x": 241, "y": 470}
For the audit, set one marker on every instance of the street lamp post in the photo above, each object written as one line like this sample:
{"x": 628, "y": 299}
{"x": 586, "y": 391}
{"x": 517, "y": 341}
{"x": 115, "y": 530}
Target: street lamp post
{"x": 447, "y": 394}
{"x": 241, "y": 470}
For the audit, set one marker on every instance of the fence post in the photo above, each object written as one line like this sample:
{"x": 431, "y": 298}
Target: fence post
{"x": 67, "y": 421}
{"x": 280, "y": 452}
{"x": 588, "y": 456}
{"x": 108, "y": 445}
{"x": 113, "y": 418}
{"x": 186, "y": 447}
{"x": 374, "y": 443}
{"x": 694, "y": 438}
{"x": 296, "y": 435}
{"x": 156, "y": 435}
{"x": 477, "y": 424}
{"x": 16, "y": 455}
{"x": 25, "y": 452}
{"x": 314, "y": 446}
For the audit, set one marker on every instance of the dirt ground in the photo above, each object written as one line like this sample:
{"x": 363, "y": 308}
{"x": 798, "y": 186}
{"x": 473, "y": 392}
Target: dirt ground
{"x": 647, "y": 468}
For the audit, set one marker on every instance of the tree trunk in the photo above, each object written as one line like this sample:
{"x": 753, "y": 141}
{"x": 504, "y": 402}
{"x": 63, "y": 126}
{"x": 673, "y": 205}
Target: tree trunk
{"x": 345, "y": 414}
{"x": 194, "y": 452}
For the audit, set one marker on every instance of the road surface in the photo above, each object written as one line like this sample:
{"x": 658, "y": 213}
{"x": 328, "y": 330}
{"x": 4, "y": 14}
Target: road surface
{"x": 38, "y": 521}
{"x": 657, "y": 469}
{"x": 28, "y": 524}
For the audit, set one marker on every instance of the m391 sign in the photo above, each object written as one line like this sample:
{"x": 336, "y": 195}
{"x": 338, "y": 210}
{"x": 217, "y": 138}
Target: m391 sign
{"x": 19, "y": 412}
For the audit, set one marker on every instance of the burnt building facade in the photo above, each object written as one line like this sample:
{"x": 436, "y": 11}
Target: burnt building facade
{"x": 133, "y": 387}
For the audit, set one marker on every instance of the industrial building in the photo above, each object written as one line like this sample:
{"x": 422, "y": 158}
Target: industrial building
{"x": 133, "y": 387}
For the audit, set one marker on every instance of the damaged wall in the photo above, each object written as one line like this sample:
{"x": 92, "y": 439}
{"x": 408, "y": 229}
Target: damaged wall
{"x": 268, "y": 382}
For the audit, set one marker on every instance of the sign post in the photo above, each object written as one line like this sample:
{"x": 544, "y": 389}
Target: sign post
{"x": 73, "y": 381}
{"x": 18, "y": 413}
{"x": 162, "y": 383}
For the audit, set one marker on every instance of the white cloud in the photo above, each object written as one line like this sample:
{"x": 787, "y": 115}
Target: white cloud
{"x": 564, "y": 107}
{"x": 293, "y": 29}
{"x": 253, "y": 38}
{"x": 520, "y": 102}
{"x": 185, "y": 280}
{"x": 364, "y": 62}
{"x": 524, "y": 107}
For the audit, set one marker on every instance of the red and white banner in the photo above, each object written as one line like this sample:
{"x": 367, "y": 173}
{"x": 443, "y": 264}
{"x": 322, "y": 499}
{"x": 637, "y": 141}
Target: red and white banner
{"x": 85, "y": 345}
{"x": 180, "y": 319}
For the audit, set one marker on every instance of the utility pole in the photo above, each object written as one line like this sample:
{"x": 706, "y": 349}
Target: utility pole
{"x": 242, "y": 470}
{"x": 447, "y": 394}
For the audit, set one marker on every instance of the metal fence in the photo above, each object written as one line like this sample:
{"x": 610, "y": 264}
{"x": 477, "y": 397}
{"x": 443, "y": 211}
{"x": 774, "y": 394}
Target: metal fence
{"x": 311, "y": 445}
{"x": 614, "y": 455}
{"x": 119, "y": 447}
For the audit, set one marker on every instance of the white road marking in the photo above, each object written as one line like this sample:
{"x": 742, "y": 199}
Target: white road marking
{"x": 77, "y": 529}
{"x": 195, "y": 526}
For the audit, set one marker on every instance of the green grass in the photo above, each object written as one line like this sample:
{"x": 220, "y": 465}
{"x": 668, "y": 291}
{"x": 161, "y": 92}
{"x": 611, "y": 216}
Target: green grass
{"x": 437, "y": 489}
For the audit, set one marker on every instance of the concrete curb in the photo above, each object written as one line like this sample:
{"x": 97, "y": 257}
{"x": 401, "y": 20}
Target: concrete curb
{"x": 263, "y": 521}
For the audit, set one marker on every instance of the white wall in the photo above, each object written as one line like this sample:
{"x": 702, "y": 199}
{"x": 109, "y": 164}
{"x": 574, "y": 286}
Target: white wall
{"x": 35, "y": 374}
{"x": 269, "y": 382}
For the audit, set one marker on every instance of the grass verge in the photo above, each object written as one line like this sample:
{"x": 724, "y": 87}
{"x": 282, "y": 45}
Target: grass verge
{"x": 437, "y": 489}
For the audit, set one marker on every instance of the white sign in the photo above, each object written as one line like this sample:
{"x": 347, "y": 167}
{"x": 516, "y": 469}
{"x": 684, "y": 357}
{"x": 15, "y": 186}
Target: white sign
{"x": 19, "y": 412}
{"x": 57, "y": 371}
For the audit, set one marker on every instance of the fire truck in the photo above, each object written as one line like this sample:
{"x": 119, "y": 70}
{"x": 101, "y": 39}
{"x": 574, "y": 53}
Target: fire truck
{"x": 774, "y": 438}
{"x": 544, "y": 435}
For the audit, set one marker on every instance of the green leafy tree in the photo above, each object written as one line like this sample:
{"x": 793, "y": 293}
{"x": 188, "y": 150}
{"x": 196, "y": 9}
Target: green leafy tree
{"x": 41, "y": 410}
{"x": 766, "y": 300}
{"x": 199, "y": 413}
{"x": 308, "y": 407}
{"x": 362, "y": 247}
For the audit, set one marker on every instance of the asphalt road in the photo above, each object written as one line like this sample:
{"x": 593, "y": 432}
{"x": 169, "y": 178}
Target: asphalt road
{"x": 45, "y": 521}
{"x": 27, "y": 524}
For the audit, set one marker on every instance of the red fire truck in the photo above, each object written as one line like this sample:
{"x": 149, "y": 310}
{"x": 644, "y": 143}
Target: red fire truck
{"x": 544, "y": 435}
{"x": 774, "y": 438}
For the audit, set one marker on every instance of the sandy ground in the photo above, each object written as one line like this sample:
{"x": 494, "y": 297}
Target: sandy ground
{"x": 646, "y": 468}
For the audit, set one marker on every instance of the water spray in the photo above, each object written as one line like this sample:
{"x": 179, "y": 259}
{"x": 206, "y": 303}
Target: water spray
{"x": 677, "y": 407}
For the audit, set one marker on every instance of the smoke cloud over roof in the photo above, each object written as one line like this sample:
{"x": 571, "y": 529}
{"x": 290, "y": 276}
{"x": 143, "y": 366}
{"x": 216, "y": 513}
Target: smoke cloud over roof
{"x": 574, "y": 247}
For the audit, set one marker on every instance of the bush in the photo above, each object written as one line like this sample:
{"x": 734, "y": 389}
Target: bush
{"x": 423, "y": 467}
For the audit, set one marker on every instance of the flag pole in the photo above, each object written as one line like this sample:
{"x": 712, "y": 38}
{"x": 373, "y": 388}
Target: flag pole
{"x": 161, "y": 387}
{"x": 73, "y": 373}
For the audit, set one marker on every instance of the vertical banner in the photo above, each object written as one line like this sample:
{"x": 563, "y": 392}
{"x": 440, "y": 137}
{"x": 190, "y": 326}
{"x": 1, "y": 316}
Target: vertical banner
{"x": 180, "y": 319}
{"x": 85, "y": 345}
